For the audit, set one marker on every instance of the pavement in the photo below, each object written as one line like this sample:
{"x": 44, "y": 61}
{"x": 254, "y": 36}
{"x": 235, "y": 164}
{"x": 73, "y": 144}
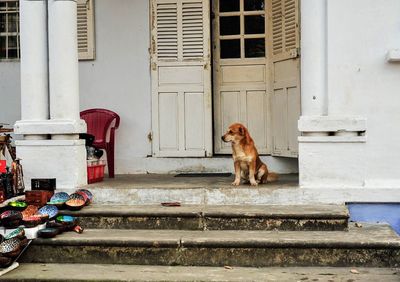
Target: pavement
{"x": 101, "y": 272}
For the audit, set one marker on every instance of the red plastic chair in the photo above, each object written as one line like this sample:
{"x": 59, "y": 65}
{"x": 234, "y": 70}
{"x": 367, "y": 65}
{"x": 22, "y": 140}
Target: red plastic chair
{"x": 98, "y": 122}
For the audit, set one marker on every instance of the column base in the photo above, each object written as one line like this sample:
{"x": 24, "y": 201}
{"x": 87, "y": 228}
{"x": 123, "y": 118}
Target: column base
{"x": 64, "y": 160}
{"x": 335, "y": 163}
{"x": 332, "y": 152}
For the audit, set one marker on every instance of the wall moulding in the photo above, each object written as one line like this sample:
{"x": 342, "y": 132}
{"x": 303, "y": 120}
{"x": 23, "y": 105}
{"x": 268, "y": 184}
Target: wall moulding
{"x": 27, "y": 127}
{"x": 341, "y": 129}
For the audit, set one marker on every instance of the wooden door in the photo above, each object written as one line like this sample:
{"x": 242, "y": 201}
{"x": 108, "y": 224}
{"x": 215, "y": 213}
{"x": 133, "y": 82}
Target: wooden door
{"x": 285, "y": 104}
{"x": 240, "y": 70}
{"x": 181, "y": 78}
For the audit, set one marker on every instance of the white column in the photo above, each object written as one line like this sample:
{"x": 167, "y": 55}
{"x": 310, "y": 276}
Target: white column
{"x": 50, "y": 94}
{"x": 63, "y": 64}
{"x": 314, "y": 58}
{"x": 34, "y": 68}
{"x": 331, "y": 152}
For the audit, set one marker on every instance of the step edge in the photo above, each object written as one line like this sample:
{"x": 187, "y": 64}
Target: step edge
{"x": 206, "y": 215}
{"x": 222, "y": 244}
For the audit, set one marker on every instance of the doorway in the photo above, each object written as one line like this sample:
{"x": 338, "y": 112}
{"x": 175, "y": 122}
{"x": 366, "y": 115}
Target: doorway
{"x": 254, "y": 78}
{"x": 256, "y": 72}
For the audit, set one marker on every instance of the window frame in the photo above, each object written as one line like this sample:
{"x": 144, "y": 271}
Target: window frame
{"x": 14, "y": 10}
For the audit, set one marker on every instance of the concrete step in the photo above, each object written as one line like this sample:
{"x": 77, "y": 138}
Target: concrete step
{"x": 201, "y": 217}
{"x": 369, "y": 246}
{"x": 153, "y": 189}
{"x": 110, "y": 273}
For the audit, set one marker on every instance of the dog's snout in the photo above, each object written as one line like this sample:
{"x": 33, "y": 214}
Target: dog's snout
{"x": 222, "y": 138}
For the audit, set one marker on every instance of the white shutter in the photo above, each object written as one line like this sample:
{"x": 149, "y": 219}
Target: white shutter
{"x": 286, "y": 77}
{"x": 167, "y": 31}
{"x": 86, "y": 30}
{"x": 285, "y": 29}
{"x": 181, "y": 78}
{"x": 192, "y": 30}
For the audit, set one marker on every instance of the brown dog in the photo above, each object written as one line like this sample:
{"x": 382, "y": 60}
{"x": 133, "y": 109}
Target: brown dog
{"x": 248, "y": 164}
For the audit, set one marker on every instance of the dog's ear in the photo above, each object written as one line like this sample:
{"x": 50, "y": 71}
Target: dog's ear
{"x": 241, "y": 130}
{"x": 246, "y": 134}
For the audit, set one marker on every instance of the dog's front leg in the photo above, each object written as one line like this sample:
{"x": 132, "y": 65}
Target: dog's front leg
{"x": 237, "y": 174}
{"x": 252, "y": 171}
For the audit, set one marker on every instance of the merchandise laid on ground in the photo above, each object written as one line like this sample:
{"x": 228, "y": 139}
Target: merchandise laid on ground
{"x": 24, "y": 218}
{"x": 173, "y": 242}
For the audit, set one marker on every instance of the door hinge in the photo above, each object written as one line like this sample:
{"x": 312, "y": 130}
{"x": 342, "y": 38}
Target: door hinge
{"x": 298, "y": 51}
{"x": 212, "y": 15}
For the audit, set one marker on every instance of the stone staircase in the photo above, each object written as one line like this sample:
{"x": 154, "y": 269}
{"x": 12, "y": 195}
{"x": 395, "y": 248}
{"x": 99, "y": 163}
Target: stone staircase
{"x": 213, "y": 243}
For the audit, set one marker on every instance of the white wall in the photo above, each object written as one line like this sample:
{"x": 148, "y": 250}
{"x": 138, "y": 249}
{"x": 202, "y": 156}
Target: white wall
{"x": 119, "y": 78}
{"x": 361, "y": 82}
{"x": 363, "y": 95}
{"x": 10, "y": 98}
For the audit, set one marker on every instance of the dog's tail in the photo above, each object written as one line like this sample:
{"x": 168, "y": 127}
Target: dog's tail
{"x": 272, "y": 177}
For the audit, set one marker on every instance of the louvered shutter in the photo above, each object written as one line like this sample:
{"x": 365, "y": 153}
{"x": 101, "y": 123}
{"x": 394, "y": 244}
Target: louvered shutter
{"x": 192, "y": 30}
{"x": 286, "y": 76}
{"x": 86, "y": 30}
{"x": 181, "y": 78}
{"x": 285, "y": 29}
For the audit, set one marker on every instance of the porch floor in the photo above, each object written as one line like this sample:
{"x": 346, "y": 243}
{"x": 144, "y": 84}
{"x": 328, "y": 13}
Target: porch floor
{"x": 169, "y": 181}
{"x": 151, "y": 189}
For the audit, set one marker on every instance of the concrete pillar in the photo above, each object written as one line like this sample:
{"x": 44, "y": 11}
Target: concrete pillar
{"x": 331, "y": 150}
{"x": 314, "y": 58}
{"x": 50, "y": 94}
{"x": 63, "y": 63}
{"x": 34, "y": 68}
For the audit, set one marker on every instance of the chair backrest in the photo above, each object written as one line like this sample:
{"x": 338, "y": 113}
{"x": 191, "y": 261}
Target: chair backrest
{"x": 98, "y": 121}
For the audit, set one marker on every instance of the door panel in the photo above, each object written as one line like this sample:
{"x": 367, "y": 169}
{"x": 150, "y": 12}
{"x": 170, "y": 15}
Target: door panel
{"x": 279, "y": 117}
{"x": 240, "y": 72}
{"x": 243, "y": 74}
{"x": 169, "y": 122}
{"x": 286, "y": 76}
{"x": 181, "y": 78}
{"x": 180, "y": 75}
{"x": 194, "y": 127}
{"x": 256, "y": 103}
{"x": 293, "y": 118}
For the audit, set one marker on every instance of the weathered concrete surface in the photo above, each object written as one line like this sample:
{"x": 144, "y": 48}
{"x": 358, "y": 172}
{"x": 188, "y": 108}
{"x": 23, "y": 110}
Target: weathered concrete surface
{"x": 372, "y": 245}
{"x": 370, "y": 235}
{"x": 272, "y": 211}
{"x": 154, "y": 188}
{"x": 167, "y": 181}
{"x": 205, "y": 217}
{"x": 110, "y": 273}
{"x": 215, "y": 256}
